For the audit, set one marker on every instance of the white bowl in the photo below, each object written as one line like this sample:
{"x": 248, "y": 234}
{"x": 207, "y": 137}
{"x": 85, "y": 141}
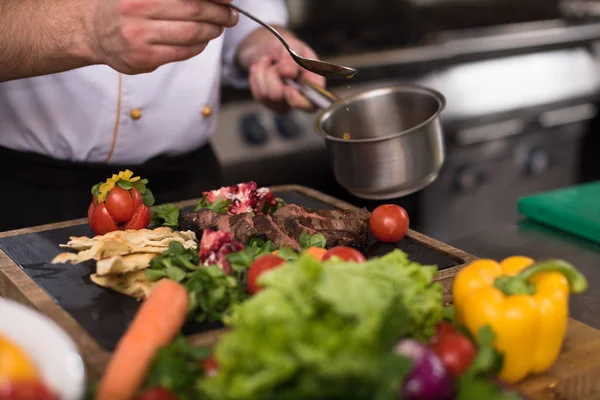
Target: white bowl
{"x": 57, "y": 358}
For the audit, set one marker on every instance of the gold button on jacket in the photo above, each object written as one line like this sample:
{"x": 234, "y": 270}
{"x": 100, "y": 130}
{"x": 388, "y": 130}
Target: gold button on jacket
{"x": 135, "y": 114}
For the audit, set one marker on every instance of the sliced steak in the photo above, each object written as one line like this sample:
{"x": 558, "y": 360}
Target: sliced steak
{"x": 340, "y": 227}
{"x": 197, "y": 221}
{"x": 243, "y": 227}
{"x": 265, "y": 225}
{"x": 221, "y": 223}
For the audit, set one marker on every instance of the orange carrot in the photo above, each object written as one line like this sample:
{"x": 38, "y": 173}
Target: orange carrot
{"x": 156, "y": 323}
{"x": 316, "y": 252}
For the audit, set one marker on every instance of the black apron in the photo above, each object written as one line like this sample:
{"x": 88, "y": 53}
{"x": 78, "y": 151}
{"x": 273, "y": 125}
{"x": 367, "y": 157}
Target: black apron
{"x": 38, "y": 190}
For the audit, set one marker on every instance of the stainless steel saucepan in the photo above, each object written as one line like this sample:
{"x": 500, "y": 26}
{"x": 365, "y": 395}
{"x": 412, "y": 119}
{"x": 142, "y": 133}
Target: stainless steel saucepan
{"x": 384, "y": 143}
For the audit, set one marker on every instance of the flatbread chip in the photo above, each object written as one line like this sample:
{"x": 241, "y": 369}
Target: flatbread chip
{"x": 159, "y": 237}
{"x": 123, "y": 264}
{"x": 122, "y": 243}
{"x": 134, "y": 284}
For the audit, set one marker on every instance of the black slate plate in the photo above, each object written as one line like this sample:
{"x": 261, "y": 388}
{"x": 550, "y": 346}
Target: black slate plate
{"x": 106, "y": 314}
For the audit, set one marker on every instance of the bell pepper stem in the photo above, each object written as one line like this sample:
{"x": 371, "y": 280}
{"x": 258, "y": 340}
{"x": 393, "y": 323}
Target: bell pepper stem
{"x": 577, "y": 281}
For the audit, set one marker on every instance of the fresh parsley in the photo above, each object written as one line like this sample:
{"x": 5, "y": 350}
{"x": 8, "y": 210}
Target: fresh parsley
{"x": 175, "y": 263}
{"x": 165, "y": 215}
{"x": 213, "y": 294}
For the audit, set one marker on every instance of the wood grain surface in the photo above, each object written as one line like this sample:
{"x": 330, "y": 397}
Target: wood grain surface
{"x": 573, "y": 377}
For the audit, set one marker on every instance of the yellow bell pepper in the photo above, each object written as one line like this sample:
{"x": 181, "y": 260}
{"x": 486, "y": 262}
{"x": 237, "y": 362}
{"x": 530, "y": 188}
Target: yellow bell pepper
{"x": 525, "y": 304}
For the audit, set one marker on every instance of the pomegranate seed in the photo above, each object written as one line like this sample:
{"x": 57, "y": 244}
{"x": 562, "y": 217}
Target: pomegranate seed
{"x": 237, "y": 202}
{"x": 233, "y": 189}
{"x": 273, "y": 202}
{"x": 232, "y": 210}
{"x": 252, "y": 185}
{"x": 269, "y": 196}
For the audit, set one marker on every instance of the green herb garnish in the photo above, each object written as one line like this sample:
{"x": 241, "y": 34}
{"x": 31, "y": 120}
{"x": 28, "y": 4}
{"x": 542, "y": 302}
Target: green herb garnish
{"x": 220, "y": 205}
{"x": 165, "y": 215}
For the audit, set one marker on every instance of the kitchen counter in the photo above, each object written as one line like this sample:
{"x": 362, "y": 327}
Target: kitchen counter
{"x": 538, "y": 242}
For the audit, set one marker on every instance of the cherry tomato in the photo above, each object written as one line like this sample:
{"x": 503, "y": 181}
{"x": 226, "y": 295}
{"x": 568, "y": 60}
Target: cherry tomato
{"x": 91, "y": 210}
{"x": 157, "y": 393}
{"x": 456, "y": 352}
{"x": 101, "y": 221}
{"x": 26, "y": 390}
{"x": 136, "y": 197}
{"x": 210, "y": 366}
{"x": 140, "y": 220}
{"x": 260, "y": 266}
{"x": 442, "y": 329}
{"x": 119, "y": 204}
{"x": 345, "y": 253}
{"x": 389, "y": 223}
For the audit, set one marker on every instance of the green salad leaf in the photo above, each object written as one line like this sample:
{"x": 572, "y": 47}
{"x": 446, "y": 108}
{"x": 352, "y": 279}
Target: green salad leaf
{"x": 256, "y": 247}
{"x": 165, "y": 215}
{"x": 326, "y": 330}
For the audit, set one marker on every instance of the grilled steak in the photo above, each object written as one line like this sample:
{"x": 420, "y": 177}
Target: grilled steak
{"x": 265, "y": 225}
{"x": 340, "y": 227}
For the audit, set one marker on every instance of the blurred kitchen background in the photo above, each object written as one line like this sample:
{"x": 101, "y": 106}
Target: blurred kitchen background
{"x": 521, "y": 79}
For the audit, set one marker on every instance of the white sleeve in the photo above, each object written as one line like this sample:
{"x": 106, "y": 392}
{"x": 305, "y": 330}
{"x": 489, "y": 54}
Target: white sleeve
{"x": 271, "y": 11}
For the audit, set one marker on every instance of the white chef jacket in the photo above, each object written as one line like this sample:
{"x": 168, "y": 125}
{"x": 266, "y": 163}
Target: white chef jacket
{"x": 95, "y": 114}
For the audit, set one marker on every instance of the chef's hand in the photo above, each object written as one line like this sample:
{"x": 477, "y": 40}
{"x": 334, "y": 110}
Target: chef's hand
{"x": 269, "y": 64}
{"x": 136, "y": 36}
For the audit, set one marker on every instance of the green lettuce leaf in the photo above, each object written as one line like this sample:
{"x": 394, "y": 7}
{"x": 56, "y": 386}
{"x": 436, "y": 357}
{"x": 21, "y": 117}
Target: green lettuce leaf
{"x": 326, "y": 330}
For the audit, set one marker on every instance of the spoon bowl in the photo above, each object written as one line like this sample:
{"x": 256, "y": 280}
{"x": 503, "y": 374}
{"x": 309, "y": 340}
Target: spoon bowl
{"x": 325, "y": 69}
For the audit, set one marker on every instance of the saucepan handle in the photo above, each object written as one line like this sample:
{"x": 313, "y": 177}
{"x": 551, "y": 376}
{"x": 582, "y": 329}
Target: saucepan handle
{"x": 319, "y": 96}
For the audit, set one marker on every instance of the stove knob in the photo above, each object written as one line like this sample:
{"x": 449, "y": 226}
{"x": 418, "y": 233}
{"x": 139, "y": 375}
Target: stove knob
{"x": 287, "y": 127}
{"x": 466, "y": 179}
{"x": 253, "y": 130}
{"x": 538, "y": 162}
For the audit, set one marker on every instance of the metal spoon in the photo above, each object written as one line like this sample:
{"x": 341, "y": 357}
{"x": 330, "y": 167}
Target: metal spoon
{"x": 318, "y": 67}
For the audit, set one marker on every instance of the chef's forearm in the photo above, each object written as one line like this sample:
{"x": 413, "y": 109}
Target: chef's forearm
{"x": 42, "y": 37}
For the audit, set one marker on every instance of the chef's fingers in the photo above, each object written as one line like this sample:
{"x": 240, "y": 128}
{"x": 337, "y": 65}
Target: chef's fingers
{"x": 186, "y": 10}
{"x": 258, "y": 79}
{"x": 297, "y": 101}
{"x": 181, "y": 33}
{"x": 164, "y": 54}
{"x": 275, "y": 85}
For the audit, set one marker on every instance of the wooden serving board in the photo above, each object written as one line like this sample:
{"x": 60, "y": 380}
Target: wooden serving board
{"x": 96, "y": 318}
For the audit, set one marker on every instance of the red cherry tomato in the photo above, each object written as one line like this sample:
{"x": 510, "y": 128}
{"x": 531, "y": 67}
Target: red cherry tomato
{"x": 210, "y": 366}
{"x": 389, "y": 223}
{"x": 260, "y": 266}
{"x": 119, "y": 204}
{"x": 26, "y": 391}
{"x": 157, "y": 393}
{"x": 136, "y": 197}
{"x": 140, "y": 220}
{"x": 345, "y": 253}
{"x": 442, "y": 329}
{"x": 91, "y": 209}
{"x": 456, "y": 352}
{"x": 101, "y": 221}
